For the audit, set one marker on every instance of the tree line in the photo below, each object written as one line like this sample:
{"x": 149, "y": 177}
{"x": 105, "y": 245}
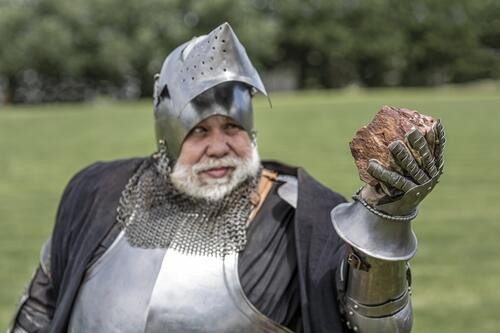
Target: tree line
{"x": 59, "y": 50}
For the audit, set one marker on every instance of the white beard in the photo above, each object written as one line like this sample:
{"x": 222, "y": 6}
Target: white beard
{"x": 187, "y": 180}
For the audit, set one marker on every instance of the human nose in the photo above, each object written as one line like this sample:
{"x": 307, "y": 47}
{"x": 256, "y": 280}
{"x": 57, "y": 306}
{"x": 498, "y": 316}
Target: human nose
{"x": 218, "y": 146}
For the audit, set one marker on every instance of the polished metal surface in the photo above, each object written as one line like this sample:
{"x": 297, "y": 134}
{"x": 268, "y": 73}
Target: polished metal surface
{"x": 191, "y": 70}
{"x": 373, "y": 235}
{"x": 114, "y": 296}
{"x": 381, "y": 310}
{"x": 45, "y": 256}
{"x": 205, "y": 62}
{"x": 228, "y": 99}
{"x": 289, "y": 190}
{"x": 32, "y": 308}
{"x": 17, "y": 329}
{"x": 13, "y": 326}
{"x": 377, "y": 299}
{"x": 400, "y": 322}
{"x": 382, "y": 282}
{"x": 410, "y": 199}
{"x": 208, "y": 298}
{"x": 373, "y": 281}
{"x": 131, "y": 289}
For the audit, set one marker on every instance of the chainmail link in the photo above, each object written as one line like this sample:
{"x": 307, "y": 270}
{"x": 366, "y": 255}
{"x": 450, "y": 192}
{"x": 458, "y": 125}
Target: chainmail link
{"x": 154, "y": 214}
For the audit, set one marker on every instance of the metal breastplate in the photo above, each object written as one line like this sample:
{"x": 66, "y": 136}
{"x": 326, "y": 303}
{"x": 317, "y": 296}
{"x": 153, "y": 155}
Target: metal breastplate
{"x": 132, "y": 290}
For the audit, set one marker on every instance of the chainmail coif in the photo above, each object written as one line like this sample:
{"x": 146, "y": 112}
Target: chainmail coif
{"x": 154, "y": 214}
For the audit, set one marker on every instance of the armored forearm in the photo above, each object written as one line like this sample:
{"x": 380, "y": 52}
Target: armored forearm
{"x": 36, "y": 306}
{"x": 374, "y": 278}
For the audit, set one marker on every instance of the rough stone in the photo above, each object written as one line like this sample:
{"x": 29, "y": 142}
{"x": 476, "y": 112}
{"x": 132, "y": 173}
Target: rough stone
{"x": 389, "y": 124}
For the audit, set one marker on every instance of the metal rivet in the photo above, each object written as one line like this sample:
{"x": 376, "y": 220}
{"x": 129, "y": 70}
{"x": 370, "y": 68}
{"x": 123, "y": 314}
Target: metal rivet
{"x": 223, "y": 40}
{"x": 351, "y": 313}
{"x": 430, "y": 188}
{"x": 418, "y": 194}
{"x": 355, "y": 328}
{"x": 356, "y": 306}
{"x": 224, "y": 69}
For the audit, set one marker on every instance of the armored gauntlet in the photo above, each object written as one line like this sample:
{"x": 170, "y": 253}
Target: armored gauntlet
{"x": 374, "y": 279}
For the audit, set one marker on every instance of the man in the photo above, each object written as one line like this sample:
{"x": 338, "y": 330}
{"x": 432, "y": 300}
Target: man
{"x": 203, "y": 237}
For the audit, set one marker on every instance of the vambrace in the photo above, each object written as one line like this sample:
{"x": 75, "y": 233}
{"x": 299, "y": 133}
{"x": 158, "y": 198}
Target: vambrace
{"x": 36, "y": 305}
{"x": 374, "y": 278}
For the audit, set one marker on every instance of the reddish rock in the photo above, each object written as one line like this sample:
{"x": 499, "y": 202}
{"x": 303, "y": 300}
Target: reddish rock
{"x": 389, "y": 124}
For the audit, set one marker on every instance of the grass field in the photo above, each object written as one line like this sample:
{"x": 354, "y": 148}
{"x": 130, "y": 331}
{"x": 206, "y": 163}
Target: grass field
{"x": 457, "y": 267}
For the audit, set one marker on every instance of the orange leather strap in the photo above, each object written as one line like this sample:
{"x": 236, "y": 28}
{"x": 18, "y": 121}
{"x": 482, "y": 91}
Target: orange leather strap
{"x": 266, "y": 181}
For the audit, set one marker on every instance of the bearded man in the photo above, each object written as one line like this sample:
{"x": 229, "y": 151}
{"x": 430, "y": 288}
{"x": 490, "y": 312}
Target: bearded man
{"x": 204, "y": 237}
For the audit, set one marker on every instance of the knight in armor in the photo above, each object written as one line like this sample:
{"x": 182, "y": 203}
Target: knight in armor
{"x": 204, "y": 237}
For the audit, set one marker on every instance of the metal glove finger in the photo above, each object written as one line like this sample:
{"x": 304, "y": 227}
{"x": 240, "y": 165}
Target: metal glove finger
{"x": 391, "y": 178}
{"x": 431, "y": 138}
{"x": 405, "y": 160}
{"x": 417, "y": 141}
{"x": 441, "y": 138}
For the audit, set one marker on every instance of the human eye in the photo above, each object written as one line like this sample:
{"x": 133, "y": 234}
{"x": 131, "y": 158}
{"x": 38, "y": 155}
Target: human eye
{"x": 232, "y": 127}
{"x": 199, "y": 130}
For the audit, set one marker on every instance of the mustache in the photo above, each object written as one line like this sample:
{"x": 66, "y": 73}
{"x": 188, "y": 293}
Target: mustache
{"x": 212, "y": 163}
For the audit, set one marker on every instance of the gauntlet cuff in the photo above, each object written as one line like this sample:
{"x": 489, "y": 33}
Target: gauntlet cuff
{"x": 374, "y": 278}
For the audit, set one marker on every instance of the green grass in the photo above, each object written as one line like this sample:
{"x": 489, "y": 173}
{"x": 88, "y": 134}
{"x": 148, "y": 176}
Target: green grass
{"x": 456, "y": 270}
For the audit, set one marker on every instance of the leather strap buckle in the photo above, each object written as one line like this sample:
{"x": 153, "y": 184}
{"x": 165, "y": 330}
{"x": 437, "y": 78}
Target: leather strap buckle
{"x": 357, "y": 262}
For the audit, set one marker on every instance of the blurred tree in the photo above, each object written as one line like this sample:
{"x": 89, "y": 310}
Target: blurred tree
{"x": 62, "y": 50}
